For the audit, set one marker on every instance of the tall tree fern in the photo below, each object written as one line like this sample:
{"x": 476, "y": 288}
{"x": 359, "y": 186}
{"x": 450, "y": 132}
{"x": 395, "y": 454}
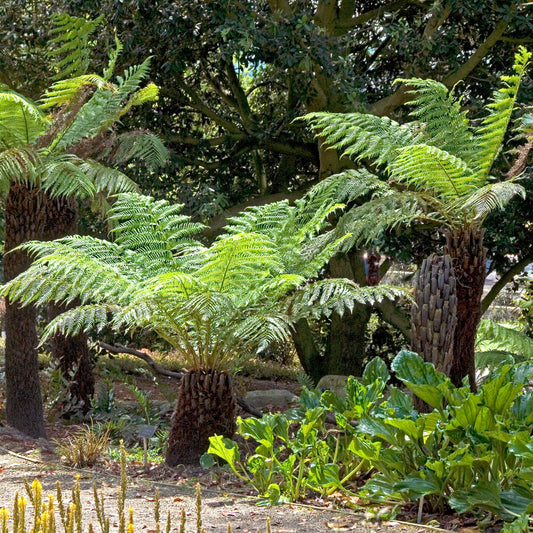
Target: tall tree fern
{"x": 215, "y": 305}
{"x": 52, "y": 153}
{"x": 439, "y": 168}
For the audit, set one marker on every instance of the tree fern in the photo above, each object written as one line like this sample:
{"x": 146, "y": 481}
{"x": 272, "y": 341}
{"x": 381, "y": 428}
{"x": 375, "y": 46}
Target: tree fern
{"x": 444, "y": 124}
{"x": 213, "y": 304}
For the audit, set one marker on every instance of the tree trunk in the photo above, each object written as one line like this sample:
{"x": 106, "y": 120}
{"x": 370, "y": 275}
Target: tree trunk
{"x": 434, "y": 312}
{"x": 71, "y": 352}
{"x": 205, "y": 407}
{"x": 465, "y": 246}
{"x": 24, "y": 407}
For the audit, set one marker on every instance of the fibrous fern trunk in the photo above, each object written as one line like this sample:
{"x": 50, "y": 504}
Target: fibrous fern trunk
{"x": 465, "y": 247}
{"x": 24, "y": 408}
{"x": 434, "y": 312}
{"x": 205, "y": 407}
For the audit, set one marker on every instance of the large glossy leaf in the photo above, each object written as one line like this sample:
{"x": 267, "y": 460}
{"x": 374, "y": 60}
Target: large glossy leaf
{"x": 376, "y": 369}
{"x": 422, "y": 378}
{"x": 485, "y": 496}
{"x": 416, "y": 486}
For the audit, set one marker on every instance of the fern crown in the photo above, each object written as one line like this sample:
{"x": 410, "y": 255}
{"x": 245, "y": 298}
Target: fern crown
{"x": 438, "y": 165}
{"x": 67, "y": 151}
{"x": 215, "y": 304}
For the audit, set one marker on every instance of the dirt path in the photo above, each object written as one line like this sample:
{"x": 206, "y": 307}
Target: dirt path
{"x": 176, "y": 493}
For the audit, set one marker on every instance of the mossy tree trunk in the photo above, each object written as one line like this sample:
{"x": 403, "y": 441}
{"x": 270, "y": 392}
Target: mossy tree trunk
{"x": 205, "y": 407}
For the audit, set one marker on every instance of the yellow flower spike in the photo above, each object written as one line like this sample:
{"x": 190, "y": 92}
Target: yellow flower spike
{"x": 169, "y": 523}
{"x": 4, "y": 517}
{"x": 129, "y": 529}
{"x": 268, "y": 525}
{"x": 130, "y": 515}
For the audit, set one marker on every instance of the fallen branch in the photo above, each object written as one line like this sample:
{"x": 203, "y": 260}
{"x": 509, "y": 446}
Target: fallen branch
{"x": 141, "y": 355}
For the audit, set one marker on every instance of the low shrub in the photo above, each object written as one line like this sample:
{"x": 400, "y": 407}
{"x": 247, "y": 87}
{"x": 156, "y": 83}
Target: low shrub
{"x": 472, "y": 453}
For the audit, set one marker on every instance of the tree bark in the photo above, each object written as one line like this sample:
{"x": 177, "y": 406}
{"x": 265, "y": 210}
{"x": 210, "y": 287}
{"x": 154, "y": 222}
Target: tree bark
{"x": 205, "y": 407}
{"x": 24, "y": 407}
{"x": 465, "y": 246}
{"x": 71, "y": 352}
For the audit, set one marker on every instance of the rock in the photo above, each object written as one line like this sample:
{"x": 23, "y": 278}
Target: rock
{"x": 276, "y": 397}
{"x": 334, "y": 383}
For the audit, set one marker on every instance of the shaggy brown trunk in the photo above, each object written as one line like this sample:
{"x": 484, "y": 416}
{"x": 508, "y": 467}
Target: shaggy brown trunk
{"x": 71, "y": 352}
{"x": 205, "y": 407}
{"x": 434, "y": 312}
{"x": 465, "y": 247}
{"x": 24, "y": 407}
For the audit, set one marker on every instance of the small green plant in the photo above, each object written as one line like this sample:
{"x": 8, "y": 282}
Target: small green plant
{"x": 85, "y": 448}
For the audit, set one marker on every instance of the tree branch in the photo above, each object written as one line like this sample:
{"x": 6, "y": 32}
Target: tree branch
{"x": 387, "y": 105}
{"x": 504, "y": 280}
{"x": 363, "y": 18}
{"x": 141, "y": 355}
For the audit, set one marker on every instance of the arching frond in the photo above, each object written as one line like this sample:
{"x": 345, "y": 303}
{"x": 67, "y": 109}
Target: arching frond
{"x": 141, "y": 145}
{"x": 361, "y": 135}
{"x": 64, "y": 92}
{"x": 64, "y": 175}
{"x": 80, "y": 319}
{"x": 73, "y": 38}
{"x": 444, "y": 124}
{"x": 104, "y": 107}
{"x": 430, "y": 168}
{"x": 492, "y": 197}
{"x": 368, "y": 222}
{"x": 107, "y": 179}
{"x": 235, "y": 261}
{"x": 490, "y": 135}
{"x": 18, "y": 165}
{"x": 21, "y": 121}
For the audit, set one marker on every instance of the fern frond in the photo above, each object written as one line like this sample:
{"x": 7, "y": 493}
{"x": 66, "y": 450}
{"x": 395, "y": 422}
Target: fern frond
{"x": 489, "y": 136}
{"x": 64, "y": 92}
{"x": 65, "y": 175}
{"x": 18, "y": 165}
{"x": 492, "y": 336}
{"x": 445, "y": 125}
{"x": 107, "y": 179}
{"x": 104, "y": 107}
{"x": 430, "y": 168}
{"x": 73, "y": 40}
{"x": 21, "y": 121}
{"x": 235, "y": 261}
{"x": 81, "y": 319}
{"x": 492, "y": 197}
{"x": 141, "y": 145}
{"x": 113, "y": 56}
{"x": 361, "y": 135}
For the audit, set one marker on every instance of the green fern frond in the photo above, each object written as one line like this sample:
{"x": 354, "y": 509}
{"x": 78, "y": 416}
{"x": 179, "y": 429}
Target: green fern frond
{"x": 141, "y": 145}
{"x": 430, "y": 168}
{"x": 104, "y": 108}
{"x": 65, "y": 175}
{"x": 73, "y": 39}
{"x": 113, "y": 56}
{"x": 18, "y": 165}
{"x": 492, "y": 336}
{"x": 491, "y": 198}
{"x": 107, "y": 179}
{"x": 361, "y": 135}
{"x": 80, "y": 319}
{"x": 64, "y": 92}
{"x": 444, "y": 124}
{"x": 21, "y": 121}
{"x": 489, "y": 136}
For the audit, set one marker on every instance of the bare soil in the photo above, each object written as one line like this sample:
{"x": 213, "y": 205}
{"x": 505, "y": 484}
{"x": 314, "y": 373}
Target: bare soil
{"x": 223, "y": 500}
